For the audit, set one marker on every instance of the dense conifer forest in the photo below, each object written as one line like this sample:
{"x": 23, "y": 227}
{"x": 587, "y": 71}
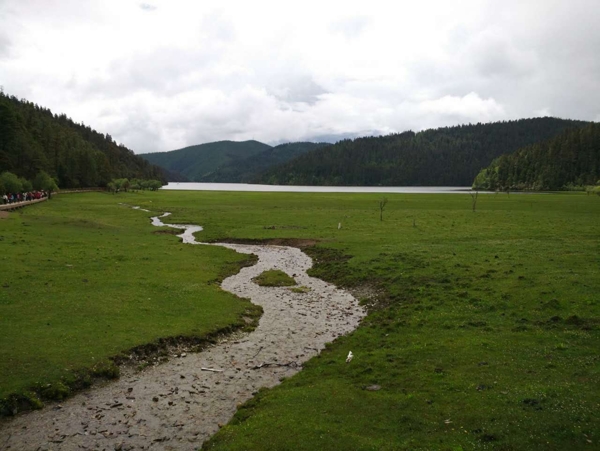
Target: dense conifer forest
{"x": 449, "y": 156}
{"x": 33, "y": 139}
{"x": 248, "y": 169}
{"x": 226, "y": 161}
{"x": 568, "y": 161}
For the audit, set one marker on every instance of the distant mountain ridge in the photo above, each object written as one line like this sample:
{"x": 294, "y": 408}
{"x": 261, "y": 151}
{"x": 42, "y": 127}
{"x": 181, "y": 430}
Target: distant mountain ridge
{"x": 196, "y": 162}
{"x": 448, "y": 156}
{"x": 226, "y": 161}
{"x": 250, "y": 168}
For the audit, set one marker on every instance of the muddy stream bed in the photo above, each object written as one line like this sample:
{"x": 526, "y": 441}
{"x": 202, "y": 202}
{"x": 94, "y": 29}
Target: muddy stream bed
{"x": 179, "y": 404}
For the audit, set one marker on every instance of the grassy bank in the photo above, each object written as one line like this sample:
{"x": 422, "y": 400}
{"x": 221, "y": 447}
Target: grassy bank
{"x": 484, "y": 334}
{"x": 84, "y": 279}
{"x": 483, "y": 331}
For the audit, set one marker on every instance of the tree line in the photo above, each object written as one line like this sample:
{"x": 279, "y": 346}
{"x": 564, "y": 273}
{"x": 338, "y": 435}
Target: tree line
{"x": 124, "y": 184}
{"x": 11, "y": 183}
{"x": 448, "y": 156}
{"x": 568, "y": 161}
{"x": 33, "y": 139}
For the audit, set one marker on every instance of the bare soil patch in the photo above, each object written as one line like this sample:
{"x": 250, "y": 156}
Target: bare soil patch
{"x": 300, "y": 243}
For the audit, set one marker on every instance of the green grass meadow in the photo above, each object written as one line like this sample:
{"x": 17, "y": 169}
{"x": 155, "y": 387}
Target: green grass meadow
{"x": 483, "y": 332}
{"x": 84, "y": 279}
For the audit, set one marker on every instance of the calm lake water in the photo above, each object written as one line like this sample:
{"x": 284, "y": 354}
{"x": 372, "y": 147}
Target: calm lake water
{"x": 318, "y": 189}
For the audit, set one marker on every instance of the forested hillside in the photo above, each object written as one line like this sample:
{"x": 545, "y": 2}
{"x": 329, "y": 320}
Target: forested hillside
{"x": 449, "y": 156}
{"x": 249, "y": 169}
{"x": 198, "y": 162}
{"x": 571, "y": 159}
{"x": 33, "y": 139}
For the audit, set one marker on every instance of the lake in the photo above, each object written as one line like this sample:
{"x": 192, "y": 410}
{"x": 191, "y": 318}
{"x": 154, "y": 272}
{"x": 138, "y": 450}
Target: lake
{"x": 317, "y": 189}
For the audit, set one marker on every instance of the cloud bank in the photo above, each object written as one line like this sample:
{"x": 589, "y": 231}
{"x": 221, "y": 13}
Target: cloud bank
{"x": 166, "y": 74}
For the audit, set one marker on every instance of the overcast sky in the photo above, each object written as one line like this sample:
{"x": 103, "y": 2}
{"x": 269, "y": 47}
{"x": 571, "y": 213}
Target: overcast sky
{"x": 163, "y": 74}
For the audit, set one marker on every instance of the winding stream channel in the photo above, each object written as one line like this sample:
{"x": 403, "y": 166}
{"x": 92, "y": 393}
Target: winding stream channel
{"x": 181, "y": 403}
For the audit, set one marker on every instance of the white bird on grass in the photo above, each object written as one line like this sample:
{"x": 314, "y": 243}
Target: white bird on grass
{"x": 349, "y": 358}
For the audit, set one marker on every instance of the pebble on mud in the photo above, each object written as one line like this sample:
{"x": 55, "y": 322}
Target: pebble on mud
{"x": 373, "y": 388}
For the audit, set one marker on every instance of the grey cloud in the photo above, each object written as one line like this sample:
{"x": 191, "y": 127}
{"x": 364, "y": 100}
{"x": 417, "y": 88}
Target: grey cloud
{"x": 302, "y": 89}
{"x": 8, "y": 25}
{"x": 351, "y": 27}
{"x": 549, "y": 59}
{"x": 5, "y": 46}
{"x": 216, "y": 26}
{"x": 526, "y": 58}
{"x": 163, "y": 71}
{"x": 519, "y": 59}
{"x": 148, "y": 7}
{"x": 141, "y": 135}
{"x": 495, "y": 57}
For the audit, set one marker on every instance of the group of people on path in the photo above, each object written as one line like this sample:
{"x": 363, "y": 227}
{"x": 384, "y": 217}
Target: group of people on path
{"x": 11, "y": 198}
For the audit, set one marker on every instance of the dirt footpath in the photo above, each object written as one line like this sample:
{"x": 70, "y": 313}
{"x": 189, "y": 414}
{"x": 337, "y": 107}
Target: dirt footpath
{"x": 179, "y": 404}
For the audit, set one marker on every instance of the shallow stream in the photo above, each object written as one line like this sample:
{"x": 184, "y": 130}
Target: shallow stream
{"x": 179, "y": 404}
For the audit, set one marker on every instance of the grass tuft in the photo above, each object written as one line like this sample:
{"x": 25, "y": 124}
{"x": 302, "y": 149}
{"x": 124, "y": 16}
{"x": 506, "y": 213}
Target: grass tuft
{"x": 274, "y": 278}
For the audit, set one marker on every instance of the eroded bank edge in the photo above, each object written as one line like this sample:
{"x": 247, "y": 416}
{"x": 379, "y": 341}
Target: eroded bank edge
{"x": 158, "y": 351}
